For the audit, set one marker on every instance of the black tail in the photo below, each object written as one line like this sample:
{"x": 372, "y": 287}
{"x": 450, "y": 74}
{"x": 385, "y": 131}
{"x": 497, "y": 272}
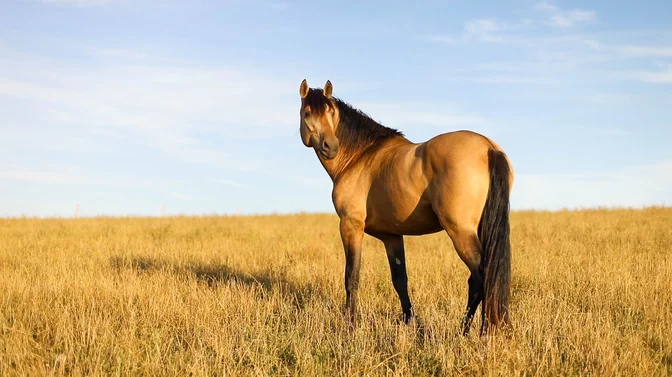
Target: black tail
{"x": 493, "y": 232}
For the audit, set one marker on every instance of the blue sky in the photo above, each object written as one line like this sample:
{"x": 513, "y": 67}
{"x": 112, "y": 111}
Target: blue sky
{"x": 124, "y": 107}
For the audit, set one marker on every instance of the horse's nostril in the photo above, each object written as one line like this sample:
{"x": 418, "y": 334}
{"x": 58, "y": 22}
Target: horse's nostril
{"x": 325, "y": 145}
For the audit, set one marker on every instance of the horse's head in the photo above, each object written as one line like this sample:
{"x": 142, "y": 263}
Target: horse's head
{"x": 319, "y": 119}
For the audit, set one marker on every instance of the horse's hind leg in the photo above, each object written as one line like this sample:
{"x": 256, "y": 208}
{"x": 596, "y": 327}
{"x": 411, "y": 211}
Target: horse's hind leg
{"x": 476, "y": 294}
{"x": 394, "y": 247}
{"x": 468, "y": 248}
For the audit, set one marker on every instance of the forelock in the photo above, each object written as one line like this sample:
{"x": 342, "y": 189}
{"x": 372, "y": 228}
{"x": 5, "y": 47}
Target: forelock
{"x": 317, "y": 101}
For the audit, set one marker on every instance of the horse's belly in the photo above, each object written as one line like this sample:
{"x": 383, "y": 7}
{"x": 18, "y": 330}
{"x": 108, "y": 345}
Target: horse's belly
{"x": 402, "y": 219}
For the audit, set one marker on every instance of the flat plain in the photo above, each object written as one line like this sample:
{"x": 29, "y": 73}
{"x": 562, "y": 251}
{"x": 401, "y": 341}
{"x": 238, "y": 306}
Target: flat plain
{"x": 263, "y": 296}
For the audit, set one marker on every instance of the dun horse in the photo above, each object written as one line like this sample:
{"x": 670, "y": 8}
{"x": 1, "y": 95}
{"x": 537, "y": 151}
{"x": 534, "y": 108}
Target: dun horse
{"x": 387, "y": 186}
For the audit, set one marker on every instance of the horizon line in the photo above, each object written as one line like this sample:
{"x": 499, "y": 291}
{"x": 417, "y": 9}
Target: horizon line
{"x": 321, "y": 213}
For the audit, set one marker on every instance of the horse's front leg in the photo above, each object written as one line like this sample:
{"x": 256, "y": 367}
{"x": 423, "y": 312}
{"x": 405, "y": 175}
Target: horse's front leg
{"x": 352, "y": 233}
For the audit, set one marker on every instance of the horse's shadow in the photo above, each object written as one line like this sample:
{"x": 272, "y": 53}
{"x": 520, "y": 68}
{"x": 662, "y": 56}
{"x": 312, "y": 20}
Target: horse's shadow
{"x": 217, "y": 274}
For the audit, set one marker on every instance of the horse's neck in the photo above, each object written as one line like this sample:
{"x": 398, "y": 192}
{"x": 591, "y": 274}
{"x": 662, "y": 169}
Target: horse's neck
{"x": 341, "y": 163}
{"x": 349, "y": 157}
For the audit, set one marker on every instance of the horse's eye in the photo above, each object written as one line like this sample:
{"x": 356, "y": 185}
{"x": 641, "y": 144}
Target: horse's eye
{"x": 307, "y": 114}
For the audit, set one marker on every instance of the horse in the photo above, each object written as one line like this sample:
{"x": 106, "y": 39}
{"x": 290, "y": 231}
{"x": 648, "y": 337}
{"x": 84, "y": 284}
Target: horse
{"x": 386, "y": 186}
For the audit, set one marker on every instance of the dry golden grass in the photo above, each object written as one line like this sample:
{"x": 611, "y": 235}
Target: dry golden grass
{"x": 592, "y": 295}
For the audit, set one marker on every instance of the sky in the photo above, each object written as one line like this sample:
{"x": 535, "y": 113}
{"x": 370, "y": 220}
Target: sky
{"x": 138, "y": 107}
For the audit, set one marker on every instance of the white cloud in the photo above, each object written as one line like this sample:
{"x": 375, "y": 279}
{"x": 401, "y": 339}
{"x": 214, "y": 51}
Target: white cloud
{"x": 545, "y": 6}
{"x": 565, "y": 19}
{"x": 487, "y": 30}
{"x": 483, "y": 26}
{"x": 552, "y": 55}
{"x": 492, "y": 30}
{"x": 630, "y": 187}
{"x": 571, "y": 18}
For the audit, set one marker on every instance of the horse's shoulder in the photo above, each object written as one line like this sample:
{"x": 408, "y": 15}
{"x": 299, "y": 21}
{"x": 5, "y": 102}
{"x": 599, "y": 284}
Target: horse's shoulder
{"x": 349, "y": 190}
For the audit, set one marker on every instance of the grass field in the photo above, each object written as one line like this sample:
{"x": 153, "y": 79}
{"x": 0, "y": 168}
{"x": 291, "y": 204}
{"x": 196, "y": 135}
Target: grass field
{"x": 256, "y": 296}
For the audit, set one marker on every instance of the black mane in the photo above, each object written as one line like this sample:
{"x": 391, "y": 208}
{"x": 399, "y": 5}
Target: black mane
{"x": 357, "y": 129}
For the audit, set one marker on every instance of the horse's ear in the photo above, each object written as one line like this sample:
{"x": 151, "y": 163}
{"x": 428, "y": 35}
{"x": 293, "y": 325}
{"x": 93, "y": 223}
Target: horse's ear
{"x": 303, "y": 89}
{"x": 328, "y": 89}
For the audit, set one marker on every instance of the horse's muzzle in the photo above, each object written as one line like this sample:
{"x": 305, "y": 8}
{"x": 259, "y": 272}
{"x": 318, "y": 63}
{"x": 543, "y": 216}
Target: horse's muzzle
{"x": 329, "y": 148}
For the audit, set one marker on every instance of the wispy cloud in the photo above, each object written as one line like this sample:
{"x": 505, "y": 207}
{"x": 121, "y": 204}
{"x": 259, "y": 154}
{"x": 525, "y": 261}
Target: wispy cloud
{"x": 487, "y": 30}
{"x": 571, "y": 18}
{"x": 74, "y": 176}
{"x": 549, "y": 51}
{"x": 662, "y": 75}
{"x": 657, "y": 77}
{"x": 494, "y": 30}
{"x": 231, "y": 183}
{"x": 645, "y": 51}
{"x": 565, "y": 19}
{"x": 163, "y": 106}
{"x": 633, "y": 187}
{"x": 484, "y": 26}
{"x": 545, "y": 6}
